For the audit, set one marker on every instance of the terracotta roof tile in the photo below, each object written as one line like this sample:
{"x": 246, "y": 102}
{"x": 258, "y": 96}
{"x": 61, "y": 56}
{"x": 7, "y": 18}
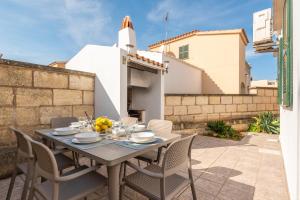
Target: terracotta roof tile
{"x": 139, "y": 57}
{"x": 195, "y": 32}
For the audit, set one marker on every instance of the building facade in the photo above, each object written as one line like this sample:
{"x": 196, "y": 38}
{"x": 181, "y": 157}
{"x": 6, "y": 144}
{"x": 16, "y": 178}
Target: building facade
{"x": 221, "y": 55}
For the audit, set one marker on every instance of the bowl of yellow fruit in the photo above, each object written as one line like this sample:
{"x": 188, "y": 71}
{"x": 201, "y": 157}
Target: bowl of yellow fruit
{"x": 102, "y": 124}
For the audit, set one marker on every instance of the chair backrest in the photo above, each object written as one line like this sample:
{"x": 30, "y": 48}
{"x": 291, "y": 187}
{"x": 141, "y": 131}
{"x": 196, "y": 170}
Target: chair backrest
{"x": 160, "y": 126}
{"x": 129, "y": 121}
{"x": 46, "y": 165}
{"x": 23, "y": 143}
{"x": 177, "y": 155}
{"x": 59, "y": 122}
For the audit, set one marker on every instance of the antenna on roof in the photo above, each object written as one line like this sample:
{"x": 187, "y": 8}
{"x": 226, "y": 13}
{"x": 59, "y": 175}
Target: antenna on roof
{"x": 166, "y": 19}
{"x": 166, "y": 23}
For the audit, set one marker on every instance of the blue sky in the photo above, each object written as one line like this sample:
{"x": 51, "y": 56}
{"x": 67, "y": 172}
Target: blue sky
{"x": 42, "y": 31}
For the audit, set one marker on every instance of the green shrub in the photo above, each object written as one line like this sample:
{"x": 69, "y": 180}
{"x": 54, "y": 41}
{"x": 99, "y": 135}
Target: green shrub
{"x": 265, "y": 122}
{"x": 223, "y": 130}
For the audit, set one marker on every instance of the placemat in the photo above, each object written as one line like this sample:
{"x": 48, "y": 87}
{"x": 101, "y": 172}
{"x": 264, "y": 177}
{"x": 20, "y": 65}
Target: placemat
{"x": 68, "y": 140}
{"x": 137, "y": 146}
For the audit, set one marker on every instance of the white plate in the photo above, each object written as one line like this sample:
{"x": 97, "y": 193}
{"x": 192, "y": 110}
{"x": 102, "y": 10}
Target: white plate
{"x": 64, "y": 133}
{"x": 143, "y": 136}
{"x": 86, "y": 136}
{"x": 134, "y": 140}
{"x": 74, "y": 140}
{"x": 64, "y": 129}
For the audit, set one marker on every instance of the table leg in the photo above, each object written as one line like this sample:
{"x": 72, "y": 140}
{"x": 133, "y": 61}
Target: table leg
{"x": 113, "y": 181}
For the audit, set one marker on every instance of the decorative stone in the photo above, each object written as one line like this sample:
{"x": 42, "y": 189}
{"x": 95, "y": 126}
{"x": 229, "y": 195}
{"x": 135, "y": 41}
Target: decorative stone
{"x": 80, "y": 82}
{"x": 180, "y": 110}
{"x": 231, "y": 108}
{"x": 50, "y": 80}
{"x": 226, "y": 100}
{"x": 247, "y": 99}
{"x": 242, "y": 108}
{"x": 207, "y": 109}
{"x": 251, "y": 107}
{"x": 173, "y": 100}
{"x": 194, "y": 110}
{"x": 13, "y": 76}
{"x": 188, "y": 100}
{"x": 219, "y": 108}
{"x": 6, "y": 96}
{"x": 201, "y": 100}
{"x": 78, "y": 111}
{"x": 168, "y": 110}
{"x": 49, "y": 112}
{"x": 237, "y": 99}
{"x": 27, "y": 116}
{"x": 6, "y": 116}
{"x": 88, "y": 97}
{"x": 33, "y": 97}
{"x": 67, "y": 97}
{"x": 214, "y": 100}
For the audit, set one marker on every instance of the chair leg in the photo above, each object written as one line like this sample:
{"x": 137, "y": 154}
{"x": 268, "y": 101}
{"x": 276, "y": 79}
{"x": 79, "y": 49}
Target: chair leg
{"x": 122, "y": 186}
{"x": 11, "y": 184}
{"x": 27, "y": 181}
{"x": 192, "y": 184}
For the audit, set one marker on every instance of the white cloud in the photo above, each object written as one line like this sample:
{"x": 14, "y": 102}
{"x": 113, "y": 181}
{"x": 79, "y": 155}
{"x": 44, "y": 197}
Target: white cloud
{"x": 83, "y": 21}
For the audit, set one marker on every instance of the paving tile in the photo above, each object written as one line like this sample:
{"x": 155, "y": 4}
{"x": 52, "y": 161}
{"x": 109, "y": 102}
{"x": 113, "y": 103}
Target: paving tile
{"x": 187, "y": 195}
{"x": 208, "y": 186}
{"x": 229, "y": 192}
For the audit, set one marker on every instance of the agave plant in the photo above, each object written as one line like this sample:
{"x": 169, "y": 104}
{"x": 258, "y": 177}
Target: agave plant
{"x": 265, "y": 122}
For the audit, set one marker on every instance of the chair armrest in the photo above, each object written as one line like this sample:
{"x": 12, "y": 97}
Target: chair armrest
{"x": 144, "y": 171}
{"x": 77, "y": 174}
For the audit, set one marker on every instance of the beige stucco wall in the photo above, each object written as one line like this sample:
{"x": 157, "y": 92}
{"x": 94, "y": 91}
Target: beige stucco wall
{"x": 221, "y": 56}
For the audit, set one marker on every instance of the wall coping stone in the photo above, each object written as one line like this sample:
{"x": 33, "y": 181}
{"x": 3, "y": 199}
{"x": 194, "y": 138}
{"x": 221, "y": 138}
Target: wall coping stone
{"x": 210, "y": 94}
{"x": 44, "y": 67}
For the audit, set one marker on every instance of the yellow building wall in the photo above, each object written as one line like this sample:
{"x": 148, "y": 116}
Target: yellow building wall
{"x": 221, "y": 56}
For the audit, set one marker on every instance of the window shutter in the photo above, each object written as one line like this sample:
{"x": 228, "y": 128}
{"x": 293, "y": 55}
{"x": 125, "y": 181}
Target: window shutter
{"x": 286, "y": 57}
{"x": 279, "y": 72}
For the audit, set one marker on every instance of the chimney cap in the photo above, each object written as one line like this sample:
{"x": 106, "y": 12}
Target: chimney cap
{"x": 126, "y": 23}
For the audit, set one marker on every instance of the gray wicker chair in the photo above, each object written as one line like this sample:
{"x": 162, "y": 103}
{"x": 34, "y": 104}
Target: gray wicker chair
{"x": 75, "y": 184}
{"x": 59, "y": 122}
{"x": 129, "y": 121}
{"x": 157, "y": 182}
{"x": 159, "y": 127}
{"x": 24, "y": 152}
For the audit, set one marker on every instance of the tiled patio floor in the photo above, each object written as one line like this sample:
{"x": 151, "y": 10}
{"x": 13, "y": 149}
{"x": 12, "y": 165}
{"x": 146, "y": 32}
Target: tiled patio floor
{"x": 223, "y": 170}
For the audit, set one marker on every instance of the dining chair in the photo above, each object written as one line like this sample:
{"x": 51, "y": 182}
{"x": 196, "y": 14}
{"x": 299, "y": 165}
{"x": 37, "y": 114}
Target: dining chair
{"x": 75, "y": 184}
{"x": 163, "y": 182}
{"x": 24, "y": 153}
{"x": 129, "y": 121}
{"x": 59, "y": 122}
{"x": 159, "y": 127}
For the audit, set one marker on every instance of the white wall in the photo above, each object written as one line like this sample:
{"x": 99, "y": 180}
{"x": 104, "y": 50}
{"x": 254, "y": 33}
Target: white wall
{"x": 290, "y": 119}
{"x": 111, "y": 78}
{"x": 182, "y": 78}
{"x": 151, "y": 99}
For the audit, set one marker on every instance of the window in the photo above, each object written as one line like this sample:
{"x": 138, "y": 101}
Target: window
{"x": 285, "y": 62}
{"x": 184, "y": 52}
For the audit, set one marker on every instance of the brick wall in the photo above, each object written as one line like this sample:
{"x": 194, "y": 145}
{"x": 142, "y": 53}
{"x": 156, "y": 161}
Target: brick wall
{"x": 194, "y": 111}
{"x": 30, "y": 95}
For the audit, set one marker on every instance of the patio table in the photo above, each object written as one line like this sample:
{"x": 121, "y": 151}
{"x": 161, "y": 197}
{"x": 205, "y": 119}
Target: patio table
{"x": 111, "y": 154}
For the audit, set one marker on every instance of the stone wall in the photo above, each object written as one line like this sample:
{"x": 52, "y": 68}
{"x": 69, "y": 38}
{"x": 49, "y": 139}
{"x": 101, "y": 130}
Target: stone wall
{"x": 192, "y": 112}
{"x": 30, "y": 95}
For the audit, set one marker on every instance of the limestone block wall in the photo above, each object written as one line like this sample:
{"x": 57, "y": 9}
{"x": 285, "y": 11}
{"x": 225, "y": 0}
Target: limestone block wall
{"x": 30, "y": 95}
{"x": 194, "y": 111}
